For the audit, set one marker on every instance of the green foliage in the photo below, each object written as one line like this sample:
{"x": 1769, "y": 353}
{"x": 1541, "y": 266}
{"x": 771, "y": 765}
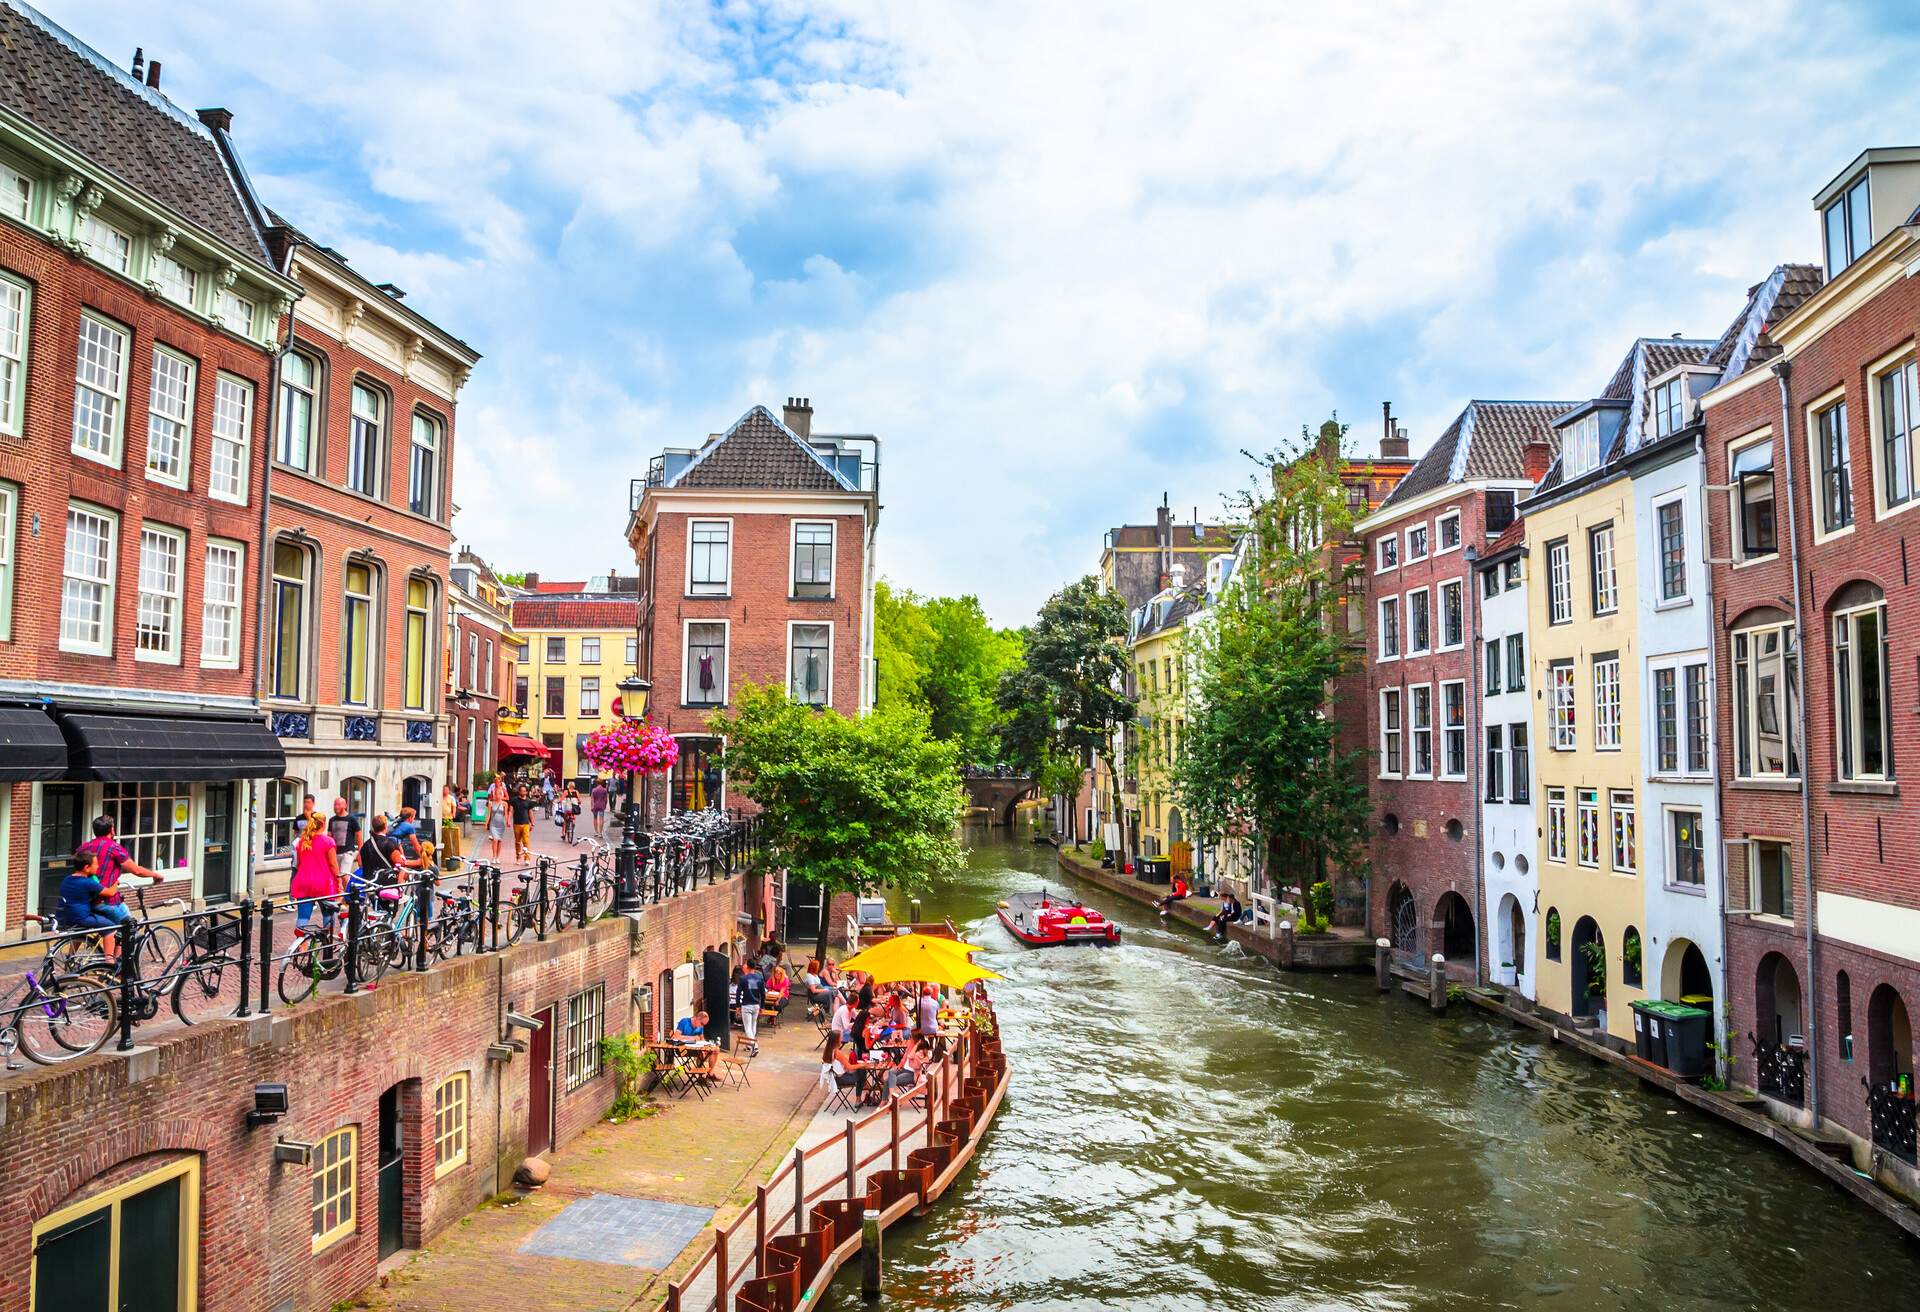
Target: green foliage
{"x": 483, "y": 779}
{"x": 1320, "y": 898}
{"x": 1594, "y": 953}
{"x": 1098, "y": 849}
{"x": 941, "y": 656}
{"x": 1063, "y": 704}
{"x": 1630, "y": 955}
{"x": 630, "y": 1062}
{"x": 848, "y": 804}
{"x": 1261, "y": 753}
{"x": 1553, "y": 931}
{"x": 511, "y": 580}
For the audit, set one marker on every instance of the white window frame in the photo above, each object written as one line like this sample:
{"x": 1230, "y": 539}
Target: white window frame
{"x": 1557, "y": 824}
{"x": 16, "y": 332}
{"x": 1582, "y": 810}
{"x": 1580, "y": 446}
{"x": 451, "y": 1100}
{"x": 633, "y": 653}
{"x": 1848, "y": 712}
{"x": 1622, "y": 832}
{"x": 1677, "y": 664}
{"x": 589, "y": 649}
{"x": 549, "y": 658}
{"x": 1746, "y": 703}
{"x": 1385, "y": 607}
{"x": 583, "y": 1024}
{"x": 368, "y": 603}
{"x": 1424, "y": 532}
{"x": 1736, "y": 519}
{"x": 231, "y": 438}
{"x": 1812, "y": 413}
{"x": 176, "y": 280}
{"x": 22, "y": 187}
{"x": 1559, "y": 581}
{"x": 1426, "y": 595}
{"x": 1563, "y": 716}
{"x": 1877, "y": 374}
{"x": 1397, "y": 735}
{"x": 1387, "y": 544}
{"x": 1415, "y": 730}
{"x": 793, "y": 556}
{"x": 157, "y": 417}
{"x": 109, "y": 593}
{"x": 1672, "y": 847}
{"x": 113, "y": 391}
{"x": 210, "y": 603}
{"x": 1440, "y": 547}
{"x": 1459, "y": 589}
{"x": 1603, "y": 550}
{"x": 423, "y": 492}
{"x": 1607, "y": 704}
{"x": 709, "y": 589}
{"x": 831, "y": 638}
{"x": 1496, "y": 771}
{"x": 686, "y": 663}
{"x": 229, "y": 306}
{"x": 9, "y": 526}
{"x": 1677, "y": 500}
{"x": 96, "y": 228}
{"x": 1448, "y": 730}
{"x": 311, "y": 390}
{"x": 1516, "y": 660}
{"x": 367, "y": 438}
{"x": 174, "y": 599}
{"x": 589, "y": 686}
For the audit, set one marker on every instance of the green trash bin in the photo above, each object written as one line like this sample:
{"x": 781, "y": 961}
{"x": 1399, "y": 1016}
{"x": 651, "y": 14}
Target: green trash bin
{"x": 1677, "y": 1036}
{"x": 1155, "y": 869}
{"x": 1646, "y": 1031}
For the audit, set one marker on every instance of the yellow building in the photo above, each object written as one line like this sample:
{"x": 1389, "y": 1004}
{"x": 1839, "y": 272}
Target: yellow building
{"x": 1155, "y": 647}
{"x": 581, "y": 641}
{"x": 1582, "y": 628}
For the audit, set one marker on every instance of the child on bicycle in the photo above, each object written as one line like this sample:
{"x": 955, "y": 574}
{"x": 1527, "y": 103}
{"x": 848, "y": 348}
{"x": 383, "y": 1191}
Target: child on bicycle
{"x": 80, "y": 895}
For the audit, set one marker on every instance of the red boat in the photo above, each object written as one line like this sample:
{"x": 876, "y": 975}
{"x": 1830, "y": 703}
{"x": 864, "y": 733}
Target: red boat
{"x": 1043, "y": 920}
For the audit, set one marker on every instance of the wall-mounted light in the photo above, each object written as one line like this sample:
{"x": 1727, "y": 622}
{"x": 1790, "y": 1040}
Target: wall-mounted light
{"x": 269, "y": 1105}
{"x": 291, "y": 1152}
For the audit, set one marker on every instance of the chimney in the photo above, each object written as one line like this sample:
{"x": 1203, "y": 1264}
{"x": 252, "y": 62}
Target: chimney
{"x": 1179, "y": 574}
{"x": 219, "y": 120}
{"x": 139, "y": 63}
{"x": 1538, "y": 456}
{"x": 532, "y": 579}
{"x": 1393, "y": 438}
{"x": 799, "y": 416}
{"x": 153, "y": 74}
{"x": 1163, "y": 537}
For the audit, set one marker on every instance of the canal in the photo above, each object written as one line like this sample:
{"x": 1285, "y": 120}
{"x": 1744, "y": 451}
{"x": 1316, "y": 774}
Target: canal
{"x": 1187, "y": 1128}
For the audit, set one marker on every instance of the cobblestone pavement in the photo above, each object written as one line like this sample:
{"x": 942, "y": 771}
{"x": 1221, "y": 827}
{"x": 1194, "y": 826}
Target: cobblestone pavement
{"x": 706, "y": 1154}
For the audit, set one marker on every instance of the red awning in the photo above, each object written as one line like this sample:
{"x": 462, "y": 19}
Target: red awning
{"x": 515, "y": 744}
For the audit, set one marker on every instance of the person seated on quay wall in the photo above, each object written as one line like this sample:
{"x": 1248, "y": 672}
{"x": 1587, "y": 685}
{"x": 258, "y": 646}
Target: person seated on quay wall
{"x": 1178, "y": 893}
{"x": 1229, "y": 913}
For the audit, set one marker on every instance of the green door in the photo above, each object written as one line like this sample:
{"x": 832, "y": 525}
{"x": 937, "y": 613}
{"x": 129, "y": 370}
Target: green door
{"x": 216, "y": 852}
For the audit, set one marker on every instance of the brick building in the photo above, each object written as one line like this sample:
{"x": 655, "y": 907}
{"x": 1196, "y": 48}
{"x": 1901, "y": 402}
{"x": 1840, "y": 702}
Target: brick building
{"x": 1422, "y": 713}
{"x": 485, "y": 705}
{"x": 137, "y": 310}
{"x": 756, "y": 564}
{"x": 354, "y": 575}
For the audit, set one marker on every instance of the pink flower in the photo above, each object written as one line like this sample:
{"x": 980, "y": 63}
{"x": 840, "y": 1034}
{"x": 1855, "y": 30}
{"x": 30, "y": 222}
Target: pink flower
{"x": 628, "y": 747}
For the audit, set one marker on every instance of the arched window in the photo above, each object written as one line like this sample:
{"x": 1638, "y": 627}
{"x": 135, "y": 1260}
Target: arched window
{"x": 366, "y": 438}
{"x": 290, "y": 599}
{"x": 1630, "y": 957}
{"x": 418, "y": 648}
{"x": 423, "y": 466}
{"x": 1843, "y": 1004}
{"x": 1553, "y": 934}
{"x": 294, "y": 445}
{"x": 1862, "y": 689}
{"x": 359, "y": 622}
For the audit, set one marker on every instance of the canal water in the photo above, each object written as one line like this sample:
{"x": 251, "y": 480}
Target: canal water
{"x": 1187, "y": 1128}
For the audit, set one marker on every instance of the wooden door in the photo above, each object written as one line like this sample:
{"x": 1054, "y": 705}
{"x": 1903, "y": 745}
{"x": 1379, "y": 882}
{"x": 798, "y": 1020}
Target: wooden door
{"x": 540, "y": 1086}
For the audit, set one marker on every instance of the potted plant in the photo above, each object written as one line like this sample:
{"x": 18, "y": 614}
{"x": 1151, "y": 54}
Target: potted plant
{"x": 1595, "y": 954}
{"x": 1509, "y": 977}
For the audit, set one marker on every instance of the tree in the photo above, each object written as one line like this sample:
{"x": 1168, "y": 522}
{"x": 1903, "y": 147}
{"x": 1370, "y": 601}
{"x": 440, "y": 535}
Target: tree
{"x": 849, "y": 805}
{"x": 940, "y": 654}
{"x": 1260, "y": 753}
{"x": 901, "y": 639}
{"x": 1025, "y": 703}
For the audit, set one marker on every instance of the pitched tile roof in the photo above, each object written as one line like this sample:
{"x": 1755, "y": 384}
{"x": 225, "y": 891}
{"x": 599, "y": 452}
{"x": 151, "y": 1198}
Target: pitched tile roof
{"x": 760, "y": 452}
{"x": 594, "y": 612}
{"x": 1487, "y": 440}
{"x": 70, "y": 92}
{"x": 1515, "y": 535}
{"x": 1745, "y": 343}
{"x": 1167, "y": 611}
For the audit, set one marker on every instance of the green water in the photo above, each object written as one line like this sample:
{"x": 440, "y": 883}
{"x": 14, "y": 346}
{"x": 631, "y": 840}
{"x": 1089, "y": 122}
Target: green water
{"x": 1188, "y": 1129}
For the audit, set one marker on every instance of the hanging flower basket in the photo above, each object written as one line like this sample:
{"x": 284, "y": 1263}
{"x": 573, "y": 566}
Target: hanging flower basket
{"x": 629, "y": 748}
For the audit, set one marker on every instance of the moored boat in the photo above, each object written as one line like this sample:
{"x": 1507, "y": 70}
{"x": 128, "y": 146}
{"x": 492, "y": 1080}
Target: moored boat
{"x": 1044, "y": 919}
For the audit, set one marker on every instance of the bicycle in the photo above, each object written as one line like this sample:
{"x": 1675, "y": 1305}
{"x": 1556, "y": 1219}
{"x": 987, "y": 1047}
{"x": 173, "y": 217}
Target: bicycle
{"x": 319, "y": 953}
{"x": 199, "y": 976}
{"x": 54, "y": 1017}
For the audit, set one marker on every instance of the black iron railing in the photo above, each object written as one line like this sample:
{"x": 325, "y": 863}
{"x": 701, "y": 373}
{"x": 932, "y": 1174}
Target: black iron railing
{"x": 1891, "y": 1115}
{"x": 1779, "y": 1071}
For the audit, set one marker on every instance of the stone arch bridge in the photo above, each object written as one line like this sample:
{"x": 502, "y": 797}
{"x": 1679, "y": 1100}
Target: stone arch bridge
{"x": 997, "y": 795}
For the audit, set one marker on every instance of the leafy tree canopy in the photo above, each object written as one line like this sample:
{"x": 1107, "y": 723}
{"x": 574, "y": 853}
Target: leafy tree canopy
{"x": 1067, "y": 700}
{"x": 940, "y": 655}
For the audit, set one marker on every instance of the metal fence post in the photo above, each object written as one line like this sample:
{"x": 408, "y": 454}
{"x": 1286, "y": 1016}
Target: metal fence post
{"x": 353, "y": 941}
{"x": 266, "y": 955}
{"x": 423, "y": 916}
{"x": 799, "y": 1191}
{"x": 540, "y": 911}
{"x": 893, "y": 1110}
{"x": 491, "y": 874}
{"x": 760, "y": 1230}
{"x": 853, "y": 1155}
{"x": 580, "y": 890}
{"x": 246, "y": 957}
{"x": 129, "y": 977}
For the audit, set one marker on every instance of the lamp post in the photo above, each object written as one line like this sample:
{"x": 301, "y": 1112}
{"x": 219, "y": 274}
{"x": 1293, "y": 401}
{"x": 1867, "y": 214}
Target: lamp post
{"x": 626, "y": 859}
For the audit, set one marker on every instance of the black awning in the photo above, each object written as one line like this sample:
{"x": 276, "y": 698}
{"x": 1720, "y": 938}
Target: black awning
{"x": 123, "y": 748}
{"x": 31, "y": 745}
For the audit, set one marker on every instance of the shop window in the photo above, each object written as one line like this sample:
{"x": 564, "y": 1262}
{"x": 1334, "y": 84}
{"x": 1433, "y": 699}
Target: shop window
{"x": 585, "y": 1019}
{"x": 152, "y": 821}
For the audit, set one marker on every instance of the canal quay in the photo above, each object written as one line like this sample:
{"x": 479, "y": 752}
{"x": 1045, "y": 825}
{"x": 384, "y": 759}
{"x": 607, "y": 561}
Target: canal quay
{"x": 1189, "y": 1128}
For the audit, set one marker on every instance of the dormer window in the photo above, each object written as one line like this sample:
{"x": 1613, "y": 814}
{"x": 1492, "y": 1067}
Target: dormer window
{"x": 1670, "y": 406}
{"x": 1849, "y": 227}
{"x": 1581, "y": 445}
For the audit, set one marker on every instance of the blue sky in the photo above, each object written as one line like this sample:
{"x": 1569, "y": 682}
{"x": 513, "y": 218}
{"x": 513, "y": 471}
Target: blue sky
{"x": 1063, "y": 257}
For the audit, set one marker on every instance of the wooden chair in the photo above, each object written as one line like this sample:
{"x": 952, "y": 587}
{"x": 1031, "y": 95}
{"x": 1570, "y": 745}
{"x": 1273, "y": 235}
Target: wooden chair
{"x": 733, "y": 1065}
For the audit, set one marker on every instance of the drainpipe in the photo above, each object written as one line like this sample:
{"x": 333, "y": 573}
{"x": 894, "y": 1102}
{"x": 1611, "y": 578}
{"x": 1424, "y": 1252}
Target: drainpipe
{"x": 1810, "y": 1011}
{"x": 1476, "y": 718}
{"x": 1723, "y": 1032}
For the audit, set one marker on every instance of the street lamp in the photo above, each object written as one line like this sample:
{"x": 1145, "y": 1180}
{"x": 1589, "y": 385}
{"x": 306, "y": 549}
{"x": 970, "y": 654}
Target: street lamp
{"x": 627, "y": 859}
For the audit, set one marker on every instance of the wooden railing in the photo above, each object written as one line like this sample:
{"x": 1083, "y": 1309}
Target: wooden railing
{"x": 806, "y": 1220}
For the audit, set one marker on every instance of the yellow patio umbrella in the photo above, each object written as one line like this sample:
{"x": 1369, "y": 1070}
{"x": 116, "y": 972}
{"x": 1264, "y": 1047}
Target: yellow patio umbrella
{"x": 923, "y": 958}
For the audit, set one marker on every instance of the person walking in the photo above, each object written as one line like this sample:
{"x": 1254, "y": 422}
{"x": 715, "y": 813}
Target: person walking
{"x": 496, "y": 816}
{"x": 316, "y": 873}
{"x": 449, "y": 819}
{"x": 546, "y": 794}
{"x": 753, "y": 992}
{"x": 343, "y": 827}
{"x": 597, "y": 799}
{"x": 521, "y": 808}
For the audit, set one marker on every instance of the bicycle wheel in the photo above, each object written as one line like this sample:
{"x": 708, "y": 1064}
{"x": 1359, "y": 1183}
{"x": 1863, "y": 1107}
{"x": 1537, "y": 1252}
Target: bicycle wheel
{"x": 300, "y": 973}
{"x": 62, "y": 1019}
{"x": 517, "y": 920}
{"x": 599, "y": 893}
{"x": 159, "y": 947}
{"x": 208, "y": 989}
{"x": 374, "y": 954}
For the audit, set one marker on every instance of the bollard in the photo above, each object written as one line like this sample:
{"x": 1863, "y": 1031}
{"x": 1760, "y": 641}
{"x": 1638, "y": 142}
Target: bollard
{"x": 853, "y": 1155}
{"x": 129, "y": 978}
{"x": 1437, "y": 983}
{"x": 266, "y": 954}
{"x": 870, "y": 1233}
{"x": 1286, "y": 945}
{"x": 1382, "y": 964}
{"x": 246, "y": 957}
{"x": 799, "y": 1191}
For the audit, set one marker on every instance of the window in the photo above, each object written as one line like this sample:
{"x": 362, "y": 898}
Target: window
{"x": 813, "y": 560}
{"x": 1386, "y": 552}
{"x": 1862, "y": 692}
{"x": 1752, "y": 470}
{"x": 589, "y": 651}
{"x": 1490, "y": 583}
{"x": 520, "y": 693}
{"x": 810, "y": 663}
{"x": 1496, "y": 762}
{"x": 486, "y": 666}
{"x": 107, "y": 244}
{"x": 1766, "y": 700}
{"x": 1695, "y": 679}
{"x": 1560, "y": 709}
{"x": 293, "y": 445}
{"x": 1899, "y": 395}
{"x": 1421, "y": 766}
{"x": 1670, "y": 521}
{"x": 1453, "y": 631}
{"x": 9, "y": 517}
{"x": 152, "y": 821}
{"x": 1559, "y": 583}
{"x": 1448, "y": 527}
{"x": 86, "y": 593}
{"x": 1419, "y": 622}
{"x": 633, "y": 653}
{"x": 1521, "y": 789}
{"x": 1580, "y": 446}
{"x": 590, "y": 696}
{"x": 363, "y": 440}
{"x": 16, "y": 193}
{"x": 1500, "y": 510}
{"x": 1843, "y": 1006}
{"x": 1606, "y": 702}
{"x": 14, "y": 302}
{"x": 1670, "y": 407}
{"x": 1556, "y": 824}
{"x": 423, "y": 468}
{"x": 234, "y": 310}
{"x": 1620, "y": 813}
{"x": 1389, "y": 628}
{"x": 1516, "y": 662}
{"x": 1849, "y": 228}
{"x": 1666, "y": 720}
{"x": 556, "y": 699}
{"x": 333, "y": 1186}
{"x": 179, "y": 283}
{"x": 157, "y": 623}
{"x": 585, "y": 1011}
{"x": 556, "y": 651}
{"x": 450, "y": 1124}
{"x": 99, "y": 390}
{"x": 169, "y": 418}
{"x": 414, "y": 655}
{"x": 709, "y": 557}
{"x": 136, "y": 1245}
{"x": 1832, "y": 460}
{"x": 289, "y": 620}
{"x": 1493, "y": 667}
{"x": 706, "y": 664}
{"x": 1390, "y": 733}
{"x": 1587, "y": 801}
{"x": 1416, "y": 543}
{"x": 1606, "y": 583}
{"x": 1453, "y": 727}
{"x": 1686, "y": 849}
{"x": 1770, "y": 877}
{"x": 1511, "y": 572}
{"x": 228, "y": 456}
{"x": 473, "y": 660}
{"x": 357, "y": 635}
{"x": 282, "y": 813}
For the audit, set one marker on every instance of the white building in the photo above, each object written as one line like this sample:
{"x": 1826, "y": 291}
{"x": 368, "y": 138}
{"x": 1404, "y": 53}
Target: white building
{"x": 1508, "y": 829}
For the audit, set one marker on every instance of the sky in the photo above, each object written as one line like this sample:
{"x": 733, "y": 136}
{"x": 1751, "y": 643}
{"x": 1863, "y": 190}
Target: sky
{"x": 1064, "y": 258}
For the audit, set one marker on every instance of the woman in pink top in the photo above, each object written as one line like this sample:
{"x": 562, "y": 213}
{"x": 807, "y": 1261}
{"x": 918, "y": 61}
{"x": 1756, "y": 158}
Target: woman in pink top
{"x": 316, "y": 870}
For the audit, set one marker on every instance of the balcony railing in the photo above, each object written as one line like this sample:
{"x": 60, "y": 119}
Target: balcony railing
{"x": 1779, "y": 1071}
{"x": 1891, "y": 1114}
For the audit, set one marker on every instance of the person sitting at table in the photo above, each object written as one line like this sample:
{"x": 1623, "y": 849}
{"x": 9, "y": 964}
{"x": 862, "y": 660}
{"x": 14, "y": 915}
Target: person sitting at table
{"x": 846, "y": 1069}
{"x": 841, "y": 1026}
{"x": 691, "y": 1032}
{"x": 1178, "y": 893}
{"x": 905, "y": 1072}
{"x": 779, "y": 988}
{"x": 819, "y": 992}
{"x": 1230, "y": 910}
